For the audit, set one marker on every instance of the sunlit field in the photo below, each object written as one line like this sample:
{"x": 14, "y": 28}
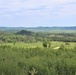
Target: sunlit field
{"x": 40, "y": 44}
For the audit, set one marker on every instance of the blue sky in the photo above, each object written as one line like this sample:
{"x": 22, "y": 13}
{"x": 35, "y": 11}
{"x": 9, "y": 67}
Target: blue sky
{"x": 33, "y": 13}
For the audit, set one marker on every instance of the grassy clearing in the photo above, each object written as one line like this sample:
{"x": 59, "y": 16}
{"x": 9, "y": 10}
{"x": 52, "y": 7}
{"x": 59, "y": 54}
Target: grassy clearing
{"x": 40, "y": 44}
{"x": 25, "y": 45}
{"x": 58, "y": 44}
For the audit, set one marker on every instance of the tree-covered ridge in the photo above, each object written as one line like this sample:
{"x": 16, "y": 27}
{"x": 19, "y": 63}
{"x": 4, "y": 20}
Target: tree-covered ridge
{"x": 42, "y": 61}
{"x": 29, "y": 36}
{"x": 25, "y": 32}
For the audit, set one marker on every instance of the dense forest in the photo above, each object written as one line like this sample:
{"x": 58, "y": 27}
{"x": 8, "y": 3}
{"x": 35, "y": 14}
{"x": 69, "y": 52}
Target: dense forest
{"x": 37, "y": 61}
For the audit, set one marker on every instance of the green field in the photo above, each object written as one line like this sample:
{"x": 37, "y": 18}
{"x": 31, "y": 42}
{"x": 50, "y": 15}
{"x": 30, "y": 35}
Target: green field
{"x": 40, "y": 44}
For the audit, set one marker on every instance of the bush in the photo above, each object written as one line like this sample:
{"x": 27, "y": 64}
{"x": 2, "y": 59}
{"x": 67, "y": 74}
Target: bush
{"x": 44, "y": 44}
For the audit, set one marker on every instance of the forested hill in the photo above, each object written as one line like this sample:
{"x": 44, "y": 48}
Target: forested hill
{"x": 25, "y": 32}
{"x": 39, "y": 28}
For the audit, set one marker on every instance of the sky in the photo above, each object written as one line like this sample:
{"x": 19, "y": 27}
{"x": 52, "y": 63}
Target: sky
{"x": 33, "y": 13}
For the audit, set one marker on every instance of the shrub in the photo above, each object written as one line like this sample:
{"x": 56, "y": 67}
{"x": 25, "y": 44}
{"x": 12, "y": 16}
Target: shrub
{"x": 44, "y": 44}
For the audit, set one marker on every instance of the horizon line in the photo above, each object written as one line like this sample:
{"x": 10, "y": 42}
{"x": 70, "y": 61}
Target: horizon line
{"x": 33, "y": 26}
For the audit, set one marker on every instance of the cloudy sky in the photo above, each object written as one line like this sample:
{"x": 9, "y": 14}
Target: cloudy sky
{"x": 30, "y": 13}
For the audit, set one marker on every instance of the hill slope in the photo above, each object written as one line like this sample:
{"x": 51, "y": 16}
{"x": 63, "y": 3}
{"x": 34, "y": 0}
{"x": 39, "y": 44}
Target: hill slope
{"x": 25, "y": 32}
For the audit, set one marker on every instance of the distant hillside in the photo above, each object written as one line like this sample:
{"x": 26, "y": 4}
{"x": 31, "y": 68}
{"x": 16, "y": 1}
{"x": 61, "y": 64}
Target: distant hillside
{"x": 3, "y": 32}
{"x": 42, "y": 29}
{"x": 25, "y": 32}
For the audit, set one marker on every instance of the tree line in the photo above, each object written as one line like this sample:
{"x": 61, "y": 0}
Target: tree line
{"x": 28, "y": 36}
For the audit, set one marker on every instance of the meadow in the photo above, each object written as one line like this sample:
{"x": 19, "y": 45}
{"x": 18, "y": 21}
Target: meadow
{"x": 40, "y": 44}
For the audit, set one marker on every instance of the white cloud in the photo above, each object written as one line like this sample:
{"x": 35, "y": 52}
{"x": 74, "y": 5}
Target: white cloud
{"x": 67, "y": 10}
{"x": 37, "y": 7}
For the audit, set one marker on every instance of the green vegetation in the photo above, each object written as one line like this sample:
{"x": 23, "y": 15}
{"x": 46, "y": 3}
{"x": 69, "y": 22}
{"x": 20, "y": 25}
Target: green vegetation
{"x": 31, "y": 37}
{"x": 37, "y": 53}
{"x": 40, "y": 44}
{"x": 44, "y": 44}
{"x": 46, "y": 61}
{"x": 25, "y": 32}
